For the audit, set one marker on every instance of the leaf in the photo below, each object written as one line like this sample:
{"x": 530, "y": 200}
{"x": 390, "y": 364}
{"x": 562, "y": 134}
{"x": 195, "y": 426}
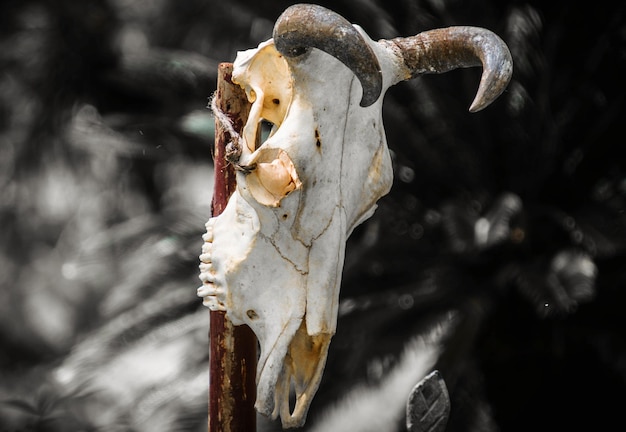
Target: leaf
{"x": 428, "y": 407}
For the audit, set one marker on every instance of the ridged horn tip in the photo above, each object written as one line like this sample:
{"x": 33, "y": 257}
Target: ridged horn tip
{"x": 445, "y": 49}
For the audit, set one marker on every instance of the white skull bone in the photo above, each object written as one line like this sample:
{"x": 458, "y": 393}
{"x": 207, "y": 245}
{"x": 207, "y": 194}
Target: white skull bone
{"x": 273, "y": 259}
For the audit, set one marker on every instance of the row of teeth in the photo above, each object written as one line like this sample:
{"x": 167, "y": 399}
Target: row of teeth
{"x": 208, "y": 290}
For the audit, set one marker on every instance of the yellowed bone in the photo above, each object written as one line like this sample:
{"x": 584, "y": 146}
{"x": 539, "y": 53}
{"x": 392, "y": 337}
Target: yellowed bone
{"x": 266, "y": 79}
{"x": 271, "y": 181}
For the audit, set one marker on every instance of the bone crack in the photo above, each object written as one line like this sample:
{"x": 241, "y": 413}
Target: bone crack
{"x": 283, "y": 256}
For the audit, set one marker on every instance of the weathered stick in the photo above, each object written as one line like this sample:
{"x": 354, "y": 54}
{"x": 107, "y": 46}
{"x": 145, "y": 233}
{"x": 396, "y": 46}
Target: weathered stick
{"x": 233, "y": 350}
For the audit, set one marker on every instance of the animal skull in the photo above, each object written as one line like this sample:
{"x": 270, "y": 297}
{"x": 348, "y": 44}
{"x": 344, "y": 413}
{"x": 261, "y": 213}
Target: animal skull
{"x": 273, "y": 259}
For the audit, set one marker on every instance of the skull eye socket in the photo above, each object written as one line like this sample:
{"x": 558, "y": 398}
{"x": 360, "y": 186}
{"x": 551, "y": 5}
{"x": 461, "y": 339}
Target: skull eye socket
{"x": 266, "y": 78}
{"x": 265, "y": 130}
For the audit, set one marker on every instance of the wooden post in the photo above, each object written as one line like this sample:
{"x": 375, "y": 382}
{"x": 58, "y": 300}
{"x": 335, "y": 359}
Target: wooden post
{"x": 233, "y": 350}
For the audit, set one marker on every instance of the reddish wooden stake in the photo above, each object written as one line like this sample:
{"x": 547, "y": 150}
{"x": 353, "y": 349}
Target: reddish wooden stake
{"x": 233, "y": 350}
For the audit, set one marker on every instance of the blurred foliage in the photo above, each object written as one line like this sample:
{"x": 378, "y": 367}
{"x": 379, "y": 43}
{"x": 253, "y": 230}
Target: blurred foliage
{"x": 513, "y": 219}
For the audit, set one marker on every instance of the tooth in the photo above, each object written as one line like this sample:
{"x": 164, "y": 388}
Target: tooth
{"x": 207, "y": 248}
{"x": 202, "y": 291}
{"x": 208, "y": 236}
{"x": 205, "y": 267}
{"x": 213, "y": 304}
{"x": 205, "y": 258}
{"x": 207, "y": 277}
{"x": 209, "y": 224}
{"x": 209, "y": 290}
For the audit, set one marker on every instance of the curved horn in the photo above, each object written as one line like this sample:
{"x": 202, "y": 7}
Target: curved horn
{"x": 303, "y": 26}
{"x": 441, "y": 50}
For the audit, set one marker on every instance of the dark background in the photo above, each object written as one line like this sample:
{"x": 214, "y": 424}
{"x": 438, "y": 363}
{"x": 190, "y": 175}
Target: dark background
{"x": 105, "y": 183}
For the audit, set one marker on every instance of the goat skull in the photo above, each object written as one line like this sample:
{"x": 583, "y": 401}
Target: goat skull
{"x": 273, "y": 259}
